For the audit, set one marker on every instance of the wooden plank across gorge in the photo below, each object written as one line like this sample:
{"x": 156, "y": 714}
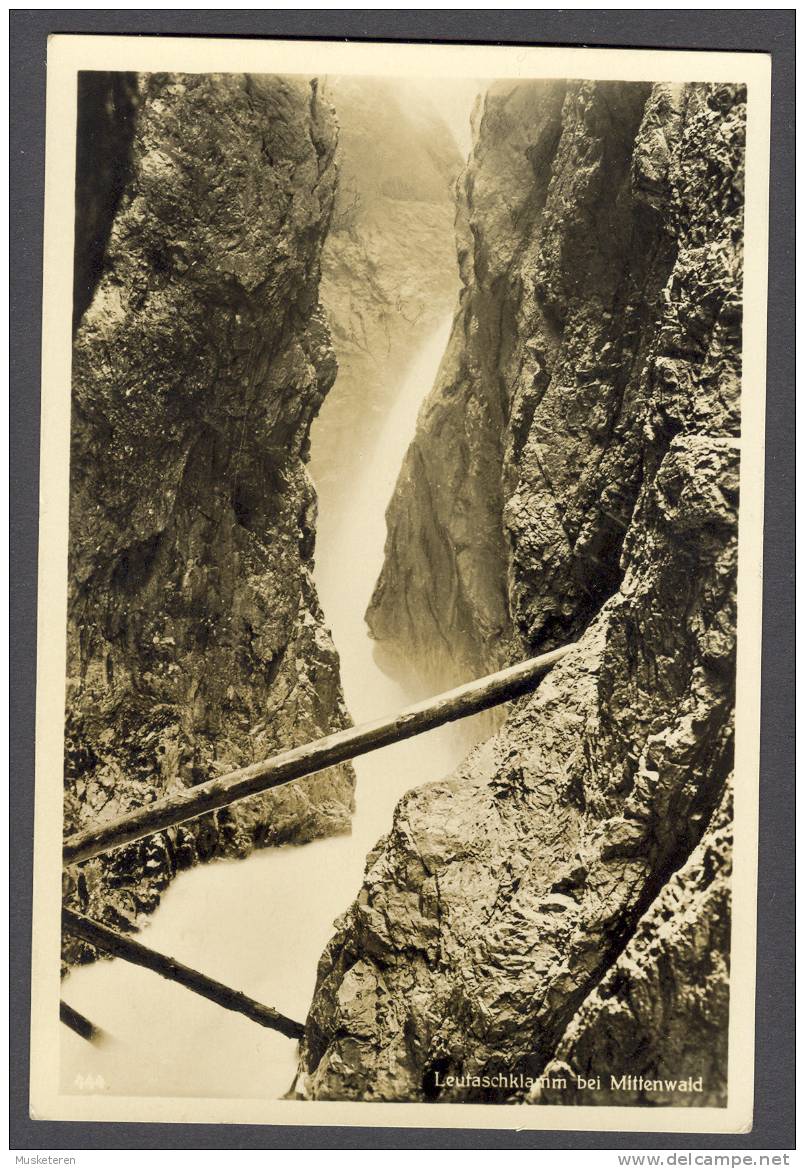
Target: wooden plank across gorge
{"x": 298, "y": 762}
{"x": 120, "y": 946}
{"x": 78, "y": 1022}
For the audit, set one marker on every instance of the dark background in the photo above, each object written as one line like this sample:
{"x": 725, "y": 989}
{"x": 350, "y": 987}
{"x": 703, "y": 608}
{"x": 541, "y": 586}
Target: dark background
{"x": 759, "y": 30}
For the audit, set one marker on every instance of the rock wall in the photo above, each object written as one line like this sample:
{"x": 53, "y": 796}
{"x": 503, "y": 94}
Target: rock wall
{"x": 575, "y": 475}
{"x": 659, "y": 1012}
{"x": 389, "y": 272}
{"x": 514, "y": 540}
{"x": 195, "y": 639}
{"x": 106, "y": 117}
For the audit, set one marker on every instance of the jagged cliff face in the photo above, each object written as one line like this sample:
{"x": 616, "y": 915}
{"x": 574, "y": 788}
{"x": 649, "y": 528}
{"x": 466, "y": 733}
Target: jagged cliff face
{"x": 662, "y": 1007}
{"x": 195, "y": 639}
{"x": 562, "y": 263}
{"x": 389, "y": 273}
{"x": 575, "y": 474}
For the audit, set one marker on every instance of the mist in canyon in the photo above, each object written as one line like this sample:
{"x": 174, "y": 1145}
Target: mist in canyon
{"x": 379, "y": 386}
{"x": 389, "y": 288}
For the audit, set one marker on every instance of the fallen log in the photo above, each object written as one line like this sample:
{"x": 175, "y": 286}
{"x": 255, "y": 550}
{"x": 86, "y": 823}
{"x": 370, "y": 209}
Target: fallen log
{"x": 120, "y": 946}
{"x": 78, "y": 1022}
{"x": 298, "y": 762}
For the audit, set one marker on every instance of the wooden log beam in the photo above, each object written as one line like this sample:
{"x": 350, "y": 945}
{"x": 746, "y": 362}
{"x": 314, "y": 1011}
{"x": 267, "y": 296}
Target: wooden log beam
{"x": 78, "y": 1023}
{"x": 120, "y": 946}
{"x": 482, "y": 694}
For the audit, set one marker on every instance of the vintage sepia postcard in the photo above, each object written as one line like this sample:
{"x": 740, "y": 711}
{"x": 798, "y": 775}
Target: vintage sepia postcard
{"x": 400, "y": 585}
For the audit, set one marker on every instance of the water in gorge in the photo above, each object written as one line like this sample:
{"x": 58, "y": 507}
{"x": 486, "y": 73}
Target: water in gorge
{"x": 261, "y": 924}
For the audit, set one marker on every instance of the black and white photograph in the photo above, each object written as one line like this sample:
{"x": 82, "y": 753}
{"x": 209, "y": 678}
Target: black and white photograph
{"x": 402, "y": 469}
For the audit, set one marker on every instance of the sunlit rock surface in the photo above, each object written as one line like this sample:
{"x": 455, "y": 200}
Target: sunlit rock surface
{"x": 575, "y": 475}
{"x": 195, "y": 639}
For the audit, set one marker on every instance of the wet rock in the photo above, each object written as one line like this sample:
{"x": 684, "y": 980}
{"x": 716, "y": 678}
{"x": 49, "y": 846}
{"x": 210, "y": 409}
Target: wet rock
{"x": 590, "y": 393}
{"x": 195, "y": 639}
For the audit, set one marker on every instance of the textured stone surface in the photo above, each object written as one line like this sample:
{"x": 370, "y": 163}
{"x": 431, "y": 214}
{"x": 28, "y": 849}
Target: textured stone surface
{"x": 520, "y": 529}
{"x": 593, "y": 409}
{"x": 195, "y": 640}
{"x": 660, "y": 1010}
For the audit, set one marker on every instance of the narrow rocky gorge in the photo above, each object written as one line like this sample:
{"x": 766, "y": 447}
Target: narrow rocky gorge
{"x": 389, "y": 270}
{"x": 574, "y": 477}
{"x": 558, "y": 906}
{"x": 195, "y": 640}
